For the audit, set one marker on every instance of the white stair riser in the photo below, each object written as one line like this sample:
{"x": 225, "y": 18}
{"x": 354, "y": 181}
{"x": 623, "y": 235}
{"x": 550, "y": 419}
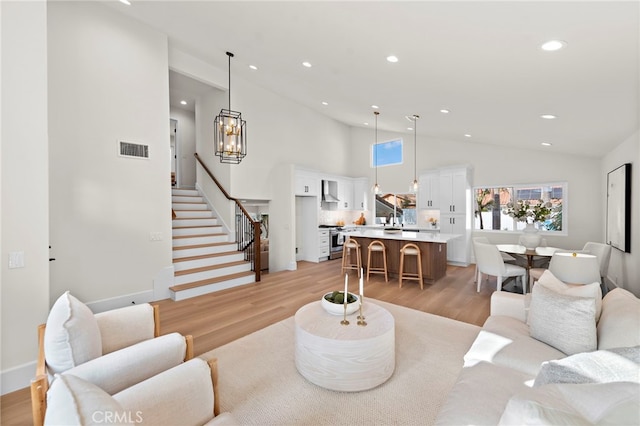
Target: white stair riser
{"x": 197, "y": 231}
{"x": 183, "y": 199}
{"x": 195, "y": 222}
{"x": 177, "y": 254}
{"x": 206, "y": 289}
{"x": 189, "y": 206}
{"x": 191, "y": 241}
{"x": 187, "y": 192}
{"x": 199, "y": 263}
{"x": 214, "y": 273}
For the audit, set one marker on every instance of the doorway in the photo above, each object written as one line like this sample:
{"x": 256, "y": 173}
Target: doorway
{"x": 173, "y": 141}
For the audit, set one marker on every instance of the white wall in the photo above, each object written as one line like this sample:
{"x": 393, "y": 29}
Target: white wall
{"x": 496, "y": 166}
{"x": 186, "y": 135}
{"x": 24, "y": 215}
{"x": 624, "y": 268}
{"x": 108, "y": 81}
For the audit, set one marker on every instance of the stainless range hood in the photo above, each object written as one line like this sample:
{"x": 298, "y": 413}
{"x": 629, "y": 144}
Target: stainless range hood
{"x": 330, "y": 191}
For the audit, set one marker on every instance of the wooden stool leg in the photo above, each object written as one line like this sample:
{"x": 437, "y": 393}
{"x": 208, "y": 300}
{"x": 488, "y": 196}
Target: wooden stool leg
{"x": 359, "y": 261}
{"x": 368, "y": 263}
{"x": 401, "y": 268}
{"x": 419, "y": 260}
{"x": 384, "y": 258}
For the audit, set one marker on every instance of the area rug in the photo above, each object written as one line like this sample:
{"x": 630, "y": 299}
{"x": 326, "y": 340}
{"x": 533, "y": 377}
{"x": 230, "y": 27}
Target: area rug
{"x": 259, "y": 383}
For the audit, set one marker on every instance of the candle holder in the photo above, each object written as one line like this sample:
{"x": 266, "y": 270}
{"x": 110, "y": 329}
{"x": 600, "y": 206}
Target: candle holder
{"x": 360, "y": 317}
{"x": 344, "y": 319}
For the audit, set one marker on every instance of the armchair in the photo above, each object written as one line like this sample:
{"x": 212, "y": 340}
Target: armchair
{"x": 112, "y": 350}
{"x": 186, "y": 395}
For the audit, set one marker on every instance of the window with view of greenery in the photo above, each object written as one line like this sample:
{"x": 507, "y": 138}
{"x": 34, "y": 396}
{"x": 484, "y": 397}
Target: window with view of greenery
{"x": 510, "y": 208}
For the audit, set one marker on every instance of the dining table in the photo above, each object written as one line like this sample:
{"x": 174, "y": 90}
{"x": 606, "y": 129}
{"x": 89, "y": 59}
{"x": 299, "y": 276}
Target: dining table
{"x": 529, "y": 253}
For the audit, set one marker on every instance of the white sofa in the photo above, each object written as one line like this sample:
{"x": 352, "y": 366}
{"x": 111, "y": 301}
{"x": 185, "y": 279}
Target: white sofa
{"x": 510, "y": 377}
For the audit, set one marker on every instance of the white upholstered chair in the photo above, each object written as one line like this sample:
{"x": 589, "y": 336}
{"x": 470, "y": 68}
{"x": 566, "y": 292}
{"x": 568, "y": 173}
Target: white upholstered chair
{"x": 575, "y": 268}
{"x": 186, "y": 394}
{"x": 505, "y": 256}
{"x": 489, "y": 262}
{"x": 112, "y": 350}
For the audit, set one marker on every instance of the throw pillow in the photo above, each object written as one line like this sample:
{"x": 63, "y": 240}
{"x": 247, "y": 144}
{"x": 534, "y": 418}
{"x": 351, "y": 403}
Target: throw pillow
{"x": 570, "y": 404}
{"x": 72, "y": 336}
{"x": 593, "y": 290}
{"x": 565, "y": 322}
{"x": 74, "y": 401}
{"x": 613, "y": 365}
{"x": 619, "y": 324}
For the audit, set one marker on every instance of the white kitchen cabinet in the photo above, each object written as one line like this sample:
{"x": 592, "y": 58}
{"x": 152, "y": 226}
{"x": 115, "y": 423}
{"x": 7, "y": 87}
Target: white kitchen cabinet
{"x": 360, "y": 194}
{"x": 345, "y": 194}
{"x": 458, "y": 248}
{"x": 323, "y": 244}
{"x": 306, "y": 183}
{"x": 453, "y": 191}
{"x": 429, "y": 191}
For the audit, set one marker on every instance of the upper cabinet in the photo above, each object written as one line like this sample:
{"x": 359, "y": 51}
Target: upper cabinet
{"x": 429, "y": 190}
{"x": 306, "y": 183}
{"x": 360, "y": 194}
{"x": 345, "y": 194}
{"x": 453, "y": 191}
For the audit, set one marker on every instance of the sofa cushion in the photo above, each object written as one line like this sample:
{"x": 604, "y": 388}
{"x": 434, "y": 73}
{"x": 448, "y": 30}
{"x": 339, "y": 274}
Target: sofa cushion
{"x": 72, "y": 336}
{"x": 480, "y": 395}
{"x": 74, "y": 401}
{"x": 619, "y": 324}
{"x": 572, "y": 404}
{"x": 603, "y": 366}
{"x": 565, "y": 322}
{"x": 579, "y": 290}
{"x": 506, "y": 341}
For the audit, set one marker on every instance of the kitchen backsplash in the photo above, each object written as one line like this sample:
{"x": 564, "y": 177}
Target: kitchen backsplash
{"x": 331, "y": 217}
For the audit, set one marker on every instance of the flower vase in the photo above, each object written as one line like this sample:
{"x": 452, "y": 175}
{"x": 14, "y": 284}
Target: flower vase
{"x": 530, "y": 237}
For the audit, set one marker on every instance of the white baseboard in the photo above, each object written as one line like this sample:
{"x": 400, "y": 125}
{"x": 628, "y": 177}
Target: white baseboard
{"x": 121, "y": 301}
{"x": 17, "y": 378}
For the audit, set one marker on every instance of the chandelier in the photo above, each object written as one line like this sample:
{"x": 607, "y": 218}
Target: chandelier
{"x": 230, "y": 132}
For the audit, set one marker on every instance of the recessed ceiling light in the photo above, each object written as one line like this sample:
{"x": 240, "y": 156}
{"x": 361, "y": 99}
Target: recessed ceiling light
{"x": 553, "y": 45}
{"x": 375, "y": 106}
{"x": 253, "y": 67}
{"x": 546, "y": 144}
{"x": 409, "y": 128}
{"x": 183, "y": 102}
{"x": 127, "y": 2}
{"x": 445, "y": 111}
{"x": 306, "y": 64}
{"x": 467, "y": 135}
{"x": 366, "y": 124}
{"x": 325, "y": 103}
{"x": 548, "y": 116}
{"x": 392, "y": 59}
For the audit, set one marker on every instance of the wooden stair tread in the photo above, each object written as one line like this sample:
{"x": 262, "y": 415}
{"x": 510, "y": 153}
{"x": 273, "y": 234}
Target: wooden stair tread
{"x": 197, "y": 226}
{"x": 210, "y": 268}
{"x": 205, "y": 256}
{"x": 215, "y": 280}
{"x": 176, "y": 237}
{"x": 197, "y": 246}
{"x": 194, "y": 218}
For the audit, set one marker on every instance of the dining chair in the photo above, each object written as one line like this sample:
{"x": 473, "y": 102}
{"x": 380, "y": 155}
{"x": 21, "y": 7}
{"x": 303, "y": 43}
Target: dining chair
{"x": 489, "y": 262}
{"x": 602, "y": 252}
{"x": 505, "y": 256}
{"x": 575, "y": 268}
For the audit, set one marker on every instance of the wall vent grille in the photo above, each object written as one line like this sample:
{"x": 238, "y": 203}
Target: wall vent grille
{"x": 133, "y": 150}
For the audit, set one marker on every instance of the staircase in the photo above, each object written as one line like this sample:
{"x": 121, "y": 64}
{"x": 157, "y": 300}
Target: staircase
{"x": 204, "y": 259}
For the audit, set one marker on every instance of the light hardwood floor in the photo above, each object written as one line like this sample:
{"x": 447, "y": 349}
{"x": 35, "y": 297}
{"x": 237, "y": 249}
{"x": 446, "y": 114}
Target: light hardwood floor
{"x": 222, "y": 317}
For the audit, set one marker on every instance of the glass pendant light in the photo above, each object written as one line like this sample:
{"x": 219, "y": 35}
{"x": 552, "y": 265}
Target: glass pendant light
{"x": 414, "y": 185}
{"x": 376, "y": 187}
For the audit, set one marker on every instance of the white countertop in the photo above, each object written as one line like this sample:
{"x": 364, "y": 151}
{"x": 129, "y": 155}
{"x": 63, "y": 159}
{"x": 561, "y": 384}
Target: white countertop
{"x": 425, "y": 237}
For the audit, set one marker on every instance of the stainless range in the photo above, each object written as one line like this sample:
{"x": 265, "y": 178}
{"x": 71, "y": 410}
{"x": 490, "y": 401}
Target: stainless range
{"x": 336, "y": 241}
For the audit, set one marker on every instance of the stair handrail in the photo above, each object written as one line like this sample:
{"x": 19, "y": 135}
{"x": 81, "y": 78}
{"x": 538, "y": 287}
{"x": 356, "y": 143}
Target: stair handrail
{"x": 251, "y": 248}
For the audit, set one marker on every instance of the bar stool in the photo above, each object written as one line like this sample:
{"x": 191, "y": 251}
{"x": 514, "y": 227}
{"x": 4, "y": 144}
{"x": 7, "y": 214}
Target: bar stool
{"x": 411, "y": 249}
{"x": 378, "y": 247}
{"x": 350, "y": 247}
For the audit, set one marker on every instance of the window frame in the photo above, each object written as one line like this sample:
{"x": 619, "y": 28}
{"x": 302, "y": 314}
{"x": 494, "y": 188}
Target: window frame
{"x": 565, "y": 207}
{"x": 380, "y": 145}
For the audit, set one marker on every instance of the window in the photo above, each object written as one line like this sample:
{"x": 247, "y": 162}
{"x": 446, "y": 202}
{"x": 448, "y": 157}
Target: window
{"x": 510, "y": 208}
{"x": 386, "y": 153}
{"x": 396, "y": 209}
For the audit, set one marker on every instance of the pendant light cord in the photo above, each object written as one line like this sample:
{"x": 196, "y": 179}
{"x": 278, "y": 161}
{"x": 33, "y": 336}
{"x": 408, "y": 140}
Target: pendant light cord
{"x": 230, "y": 55}
{"x": 415, "y": 145}
{"x": 375, "y": 148}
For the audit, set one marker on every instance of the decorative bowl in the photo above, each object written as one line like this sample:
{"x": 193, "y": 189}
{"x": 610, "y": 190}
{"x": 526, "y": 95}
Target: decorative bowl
{"x": 338, "y": 308}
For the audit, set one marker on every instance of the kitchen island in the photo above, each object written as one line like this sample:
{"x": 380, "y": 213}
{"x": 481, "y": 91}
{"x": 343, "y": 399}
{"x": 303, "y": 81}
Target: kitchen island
{"x": 432, "y": 245}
